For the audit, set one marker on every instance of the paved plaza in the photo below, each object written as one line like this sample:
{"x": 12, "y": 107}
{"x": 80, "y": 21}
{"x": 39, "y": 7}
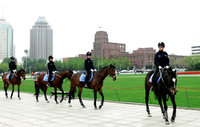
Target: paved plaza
{"x": 29, "y": 113}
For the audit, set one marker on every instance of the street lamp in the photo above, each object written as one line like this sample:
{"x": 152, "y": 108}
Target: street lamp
{"x": 26, "y": 52}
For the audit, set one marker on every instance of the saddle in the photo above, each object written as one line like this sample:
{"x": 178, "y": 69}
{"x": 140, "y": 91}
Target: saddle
{"x": 47, "y": 76}
{"x": 83, "y": 76}
{"x": 151, "y": 78}
{"x": 7, "y": 77}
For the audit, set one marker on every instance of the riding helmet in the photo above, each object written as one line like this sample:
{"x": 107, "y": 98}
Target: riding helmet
{"x": 161, "y": 44}
{"x": 50, "y": 57}
{"x": 88, "y": 54}
{"x": 12, "y": 58}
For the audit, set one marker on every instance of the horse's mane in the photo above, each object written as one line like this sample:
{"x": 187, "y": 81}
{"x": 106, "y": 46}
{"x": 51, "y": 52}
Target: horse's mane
{"x": 20, "y": 71}
{"x": 112, "y": 66}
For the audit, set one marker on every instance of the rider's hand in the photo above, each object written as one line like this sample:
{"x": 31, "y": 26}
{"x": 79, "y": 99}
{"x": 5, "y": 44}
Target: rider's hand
{"x": 167, "y": 67}
{"x": 95, "y": 69}
{"x": 14, "y": 70}
{"x": 159, "y": 67}
{"x": 91, "y": 70}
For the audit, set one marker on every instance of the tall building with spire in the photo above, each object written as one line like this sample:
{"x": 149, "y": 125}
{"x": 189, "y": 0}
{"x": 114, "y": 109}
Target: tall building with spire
{"x": 6, "y": 39}
{"x": 41, "y": 39}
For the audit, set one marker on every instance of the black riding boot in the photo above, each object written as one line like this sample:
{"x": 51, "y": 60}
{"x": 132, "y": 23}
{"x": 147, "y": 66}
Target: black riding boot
{"x": 87, "y": 79}
{"x": 9, "y": 81}
{"x": 154, "y": 83}
{"x": 49, "y": 80}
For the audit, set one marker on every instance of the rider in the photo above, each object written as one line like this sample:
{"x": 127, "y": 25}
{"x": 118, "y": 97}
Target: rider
{"x": 161, "y": 60}
{"x": 12, "y": 67}
{"x": 89, "y": 67}
{"x": 51, "y": 69}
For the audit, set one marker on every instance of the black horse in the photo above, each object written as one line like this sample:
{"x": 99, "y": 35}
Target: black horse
{"x": 165, "y": 86}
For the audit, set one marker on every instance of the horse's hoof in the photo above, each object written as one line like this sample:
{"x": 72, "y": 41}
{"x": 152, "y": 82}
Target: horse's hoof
{"x": 172, "y": 120}
{"x": 84, "y": 106}
{"x": 37, "y": 100}
{"x": 47, "y": 101}
{"x": 95, "y": 108}
{"x": 60, "y": 101}
{"x": 149, "y": 115}
{"x": 166, "y": 122}
{"x": 19, "y": 98}
{"x": 100, "y": 106}
{"x": 70, "y": 105}
{"x": 57, "y": 103}
{"x": 6, "y": 96}
{"x": 10, "y": 97}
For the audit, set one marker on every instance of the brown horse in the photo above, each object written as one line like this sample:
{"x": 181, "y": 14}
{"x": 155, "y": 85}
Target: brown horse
{"x": 16, "y": 80}
{"x": 96, "y": 84}
{"x": 56, "y": 83}
{"x": 165, "y": 86}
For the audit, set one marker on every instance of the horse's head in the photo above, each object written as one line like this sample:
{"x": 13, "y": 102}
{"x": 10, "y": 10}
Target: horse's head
{"x": 69, "y": 74}
{"x": 111, "y": 72}
{"x": 170, "y": 77}
{"x": 22, "y": 73}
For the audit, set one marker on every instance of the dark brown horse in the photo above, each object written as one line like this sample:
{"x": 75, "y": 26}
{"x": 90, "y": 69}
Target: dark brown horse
{"x": 165, "y": 86}
{"x": 96, "y": 84}
{"x": 56, "y": 83}
{"x": 16, "y": 80}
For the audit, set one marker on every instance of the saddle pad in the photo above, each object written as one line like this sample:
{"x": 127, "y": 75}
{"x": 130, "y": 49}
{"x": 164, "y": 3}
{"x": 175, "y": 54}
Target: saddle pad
{"x": 47, "y": 76}
{"x": 150, "y": 79}
{"x": 7, "y": 77}
{"x": 82, "y": 78}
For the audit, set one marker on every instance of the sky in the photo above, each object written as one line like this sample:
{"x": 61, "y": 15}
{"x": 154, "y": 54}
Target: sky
{"x": 137, "y": 23}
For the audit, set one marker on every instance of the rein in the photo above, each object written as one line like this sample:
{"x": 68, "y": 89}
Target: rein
{"x": 164, "y": 82}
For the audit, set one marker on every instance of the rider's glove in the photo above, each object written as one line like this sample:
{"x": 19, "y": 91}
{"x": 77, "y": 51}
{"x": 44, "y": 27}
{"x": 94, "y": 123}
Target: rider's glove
{"x": 167, "y": 67}
{"x": 95, "y": 69}
{"x": 14, "y": 70}
{"x": 91, "y": 70}
{"x": 159, "y": 67}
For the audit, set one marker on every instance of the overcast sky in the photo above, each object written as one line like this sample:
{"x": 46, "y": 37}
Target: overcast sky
{"x": 137, "y": 23}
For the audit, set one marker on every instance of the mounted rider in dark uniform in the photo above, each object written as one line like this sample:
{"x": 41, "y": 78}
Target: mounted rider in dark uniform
{"x": 89, "y": 67}
{"x": 12, "y": 67}
{"x": 161, "y": 60}
{"x": 51, "y": 70}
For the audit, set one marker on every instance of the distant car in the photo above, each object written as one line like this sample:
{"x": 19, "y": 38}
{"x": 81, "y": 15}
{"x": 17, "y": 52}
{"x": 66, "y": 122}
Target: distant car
{"x": 124, "y": 71}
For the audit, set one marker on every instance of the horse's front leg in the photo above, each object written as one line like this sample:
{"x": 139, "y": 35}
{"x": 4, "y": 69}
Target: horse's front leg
{"x": 161, "y": 107}
{"x": 102, "y": 98}
{"x": 172, "y": 97}
{"x": 165, "y": 107}
{"x": 19, "y": 91}
{"x": 95, "y": 99}
{"x": 12, "y": 91}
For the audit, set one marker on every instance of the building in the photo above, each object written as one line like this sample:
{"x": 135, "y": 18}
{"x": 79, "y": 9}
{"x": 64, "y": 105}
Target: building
{"x": 41, "y": 39}
{"x": 6, "y": 40}
{"x": 102, "y": 48}
{"x": 195, "y": 50}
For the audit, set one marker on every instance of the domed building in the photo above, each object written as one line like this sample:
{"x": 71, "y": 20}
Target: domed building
{"x": 41, "y": 39}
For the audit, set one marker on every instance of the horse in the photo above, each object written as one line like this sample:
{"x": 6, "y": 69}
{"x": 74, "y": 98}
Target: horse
{"x": 165, "y": 86}
{"x": 56, "y": 83}
{"x": 16, "y": 80}
{"x": 96, "y": 84}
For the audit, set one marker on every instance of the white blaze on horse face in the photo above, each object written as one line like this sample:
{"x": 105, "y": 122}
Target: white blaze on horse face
{"x": 174, "y": 80}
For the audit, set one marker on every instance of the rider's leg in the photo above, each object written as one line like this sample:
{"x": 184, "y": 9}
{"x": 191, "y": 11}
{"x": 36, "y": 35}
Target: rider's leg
{"x": 49, "y": 78}
{"x": 10, "y": 77}
{"x": 87, "y": 78}
{"x": 154, "y": 79}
